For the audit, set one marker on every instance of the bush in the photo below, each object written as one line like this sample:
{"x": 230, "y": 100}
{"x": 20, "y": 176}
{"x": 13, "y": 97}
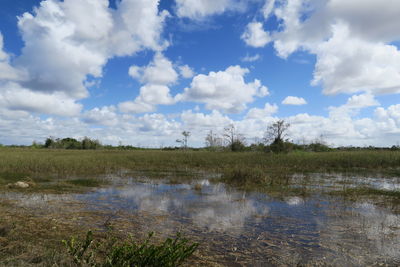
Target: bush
{"x": 280, "y": 146}
{"x": 237, "y": 146}
{"x": 72, "y": 143}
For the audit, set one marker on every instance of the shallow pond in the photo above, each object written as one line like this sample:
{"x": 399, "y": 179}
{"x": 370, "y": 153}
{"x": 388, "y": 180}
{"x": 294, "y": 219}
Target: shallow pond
{"x": 253, "y": 228}
{"x": 238, "y": 228}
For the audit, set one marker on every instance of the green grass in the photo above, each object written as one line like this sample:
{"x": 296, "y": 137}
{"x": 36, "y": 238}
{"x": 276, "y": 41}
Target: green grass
{"x": 62, "y": 163}
{"x": 111, "y": 252}
{"x": 85, "y": 182}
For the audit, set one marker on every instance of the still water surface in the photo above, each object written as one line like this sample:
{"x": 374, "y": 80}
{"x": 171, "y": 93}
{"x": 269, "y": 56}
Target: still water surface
{"x": 254, "y": 229}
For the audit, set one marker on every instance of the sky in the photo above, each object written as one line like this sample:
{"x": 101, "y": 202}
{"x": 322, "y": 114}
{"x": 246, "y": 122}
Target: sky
{"x": 139, "y": 72}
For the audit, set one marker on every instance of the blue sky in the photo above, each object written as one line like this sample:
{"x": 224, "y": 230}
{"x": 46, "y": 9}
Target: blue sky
{"x": 140, "y": 72}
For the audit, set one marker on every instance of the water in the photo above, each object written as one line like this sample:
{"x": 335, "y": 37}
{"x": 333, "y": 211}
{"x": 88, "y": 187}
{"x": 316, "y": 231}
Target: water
{"x": 329, "y": 182}
{"x": 255, "y": 229}
{"x": 237, "y": 228}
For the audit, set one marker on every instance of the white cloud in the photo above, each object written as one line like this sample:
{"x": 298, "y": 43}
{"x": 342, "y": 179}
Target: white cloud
{"x": 150, "y": 96}
{"x": 349, "y": 65}
{"x": 135, "y": 107}
{"x": 186, "y": 72}
{"x": 15, "y": 97}
{"x": 7, "y": 72}
{"x": 158, "y": 124}
{"x": 159, "y": 71}
{"x": 199, "y": 120}
{"x": 156, "y": 77}
{"x": 361, "y": 101}
{"x": 198, "y": 10}
{"x": 258, "y": 113}
{"x": 389, "y": 119}
{"x": 352, "y": 107}
{"x": 155, "y": 94}
{"x": 65, "y": 41}
{"x": 351, "y": 39}
{"x": 3, "y": 55}
{"x": 101, "y": 116}
{"x": 224, "y": 90}
{"x": 138, "y": 23}
{"x": 294, "y": 100}
{"x": 255, "y": 35}
{"x": 249, "y": 58}
{"x": 268, "y": 8}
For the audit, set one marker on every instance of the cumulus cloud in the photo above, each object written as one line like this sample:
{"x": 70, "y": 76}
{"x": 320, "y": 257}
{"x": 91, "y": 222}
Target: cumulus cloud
{"x": 362, "y": 101}
{"x": 223, "y": 90}
{"x": 186, "y": 72}
{"x": 348, "y": 65}
{"x": 106, "y": 116}
{"x": 294, "y": 100}
{"x": 255, "y": 35}
{"x": 351, "y": 40}
{"x": 67, "y": 41}
{"x": 199, "y": 120}
{"x": 156, "y": 77}
{"x": 261, "y": 113}
{"x": 158, "y": 124}
{"x": 150, "y": 95}
{"x": 7, "y": 72}
{"x": 159, "y": 71}
{"x": 15, "y": 97}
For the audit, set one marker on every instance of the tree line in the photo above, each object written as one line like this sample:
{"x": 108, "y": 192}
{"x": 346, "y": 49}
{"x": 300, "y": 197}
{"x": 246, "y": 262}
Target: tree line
{"x": 275, "y": 140}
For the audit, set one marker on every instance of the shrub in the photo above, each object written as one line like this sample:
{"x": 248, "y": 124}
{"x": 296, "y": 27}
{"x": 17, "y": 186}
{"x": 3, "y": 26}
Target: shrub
{"x": 280, "y": 146}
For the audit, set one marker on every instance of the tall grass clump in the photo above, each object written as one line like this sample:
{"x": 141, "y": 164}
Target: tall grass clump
{"x": 89, "y": 252}
{"x": 250, "y": 177}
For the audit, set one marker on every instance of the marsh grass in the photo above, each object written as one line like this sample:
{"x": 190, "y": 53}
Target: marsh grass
{"x": 62, "y": 163}
{"x": 110, "y": 251}
{"x": 88, "y": 182}
{"x": 367, "y": 191}
{"x": 53, "y": 170}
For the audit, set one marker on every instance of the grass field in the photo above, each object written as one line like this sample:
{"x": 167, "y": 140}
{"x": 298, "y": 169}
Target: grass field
{"x": 66, "y": 163}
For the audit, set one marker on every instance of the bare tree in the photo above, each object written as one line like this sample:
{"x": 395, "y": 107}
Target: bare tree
{"x": 276, "y": 136}
{"x": 212, "y": 140}
{"x": 184, "y": 140}
{"x": 277, "y": 132}
{"x": 234, "y": 140}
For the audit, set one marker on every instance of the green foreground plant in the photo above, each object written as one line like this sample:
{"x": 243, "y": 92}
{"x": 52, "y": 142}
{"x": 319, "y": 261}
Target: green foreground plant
{"x": 89, "y": 252}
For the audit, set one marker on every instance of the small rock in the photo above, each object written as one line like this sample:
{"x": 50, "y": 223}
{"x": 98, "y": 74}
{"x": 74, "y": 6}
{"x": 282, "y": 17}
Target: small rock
{"x": 18, "y": 184}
